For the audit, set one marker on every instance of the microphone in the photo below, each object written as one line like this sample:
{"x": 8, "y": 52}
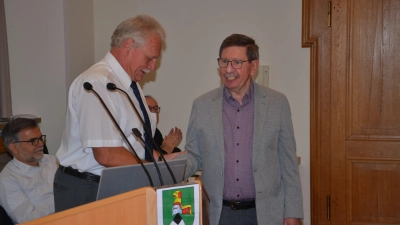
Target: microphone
{"x": 89, "y": 87}
{"x": 139, "y": 135}
{"x": 113, "y": 87}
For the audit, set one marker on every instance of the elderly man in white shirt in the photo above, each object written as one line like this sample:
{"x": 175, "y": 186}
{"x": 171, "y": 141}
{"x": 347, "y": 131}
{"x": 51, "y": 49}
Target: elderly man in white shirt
{"x": 26, "y": 182}
{"x": 91, "y": 140}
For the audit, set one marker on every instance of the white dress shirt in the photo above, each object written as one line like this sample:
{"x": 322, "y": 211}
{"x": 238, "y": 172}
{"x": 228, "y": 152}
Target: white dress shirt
{"x": 88, "y": 125}
{"x": 26, "y": 192}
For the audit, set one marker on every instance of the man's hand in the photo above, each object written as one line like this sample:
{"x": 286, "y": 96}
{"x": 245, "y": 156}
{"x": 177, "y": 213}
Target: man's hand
{"x": 291, "y": 221}
{"x": 172, "y": 140}
{"x": 170, "y": 156}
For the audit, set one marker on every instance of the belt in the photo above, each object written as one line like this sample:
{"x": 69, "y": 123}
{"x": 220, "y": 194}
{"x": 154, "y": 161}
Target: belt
{"x": 238, "y": 205}
{"x": 85, "y": 175}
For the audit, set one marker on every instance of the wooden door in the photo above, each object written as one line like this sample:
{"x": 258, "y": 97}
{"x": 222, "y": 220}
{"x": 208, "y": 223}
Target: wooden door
{"x": 355, "y": 110}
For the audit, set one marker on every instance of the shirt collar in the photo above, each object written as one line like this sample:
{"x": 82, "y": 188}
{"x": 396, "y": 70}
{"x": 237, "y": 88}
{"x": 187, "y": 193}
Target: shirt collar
{"x": 25, "y": 167}
{"x": 118, "y": 70}
{"x": 249, "y": 94}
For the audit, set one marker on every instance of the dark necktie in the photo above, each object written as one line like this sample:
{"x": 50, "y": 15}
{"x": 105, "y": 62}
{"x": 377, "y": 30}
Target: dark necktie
{"x": 147, "y": 139}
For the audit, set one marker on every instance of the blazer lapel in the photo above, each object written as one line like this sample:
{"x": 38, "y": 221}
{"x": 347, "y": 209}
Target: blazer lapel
{"x": 260, "y": 114}
{"x": 216, "y": 118}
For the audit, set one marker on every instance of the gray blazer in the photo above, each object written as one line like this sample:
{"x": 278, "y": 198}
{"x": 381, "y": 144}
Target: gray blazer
{"x": 276, "y": 175}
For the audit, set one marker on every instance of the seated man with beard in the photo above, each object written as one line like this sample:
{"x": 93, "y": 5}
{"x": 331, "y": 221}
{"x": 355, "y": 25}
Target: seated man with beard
{"x": 26, "y": 182}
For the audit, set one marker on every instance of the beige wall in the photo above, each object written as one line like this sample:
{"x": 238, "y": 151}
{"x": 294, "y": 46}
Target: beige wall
{"x": 36, "y": 40}
{"x": 52, "y": 41}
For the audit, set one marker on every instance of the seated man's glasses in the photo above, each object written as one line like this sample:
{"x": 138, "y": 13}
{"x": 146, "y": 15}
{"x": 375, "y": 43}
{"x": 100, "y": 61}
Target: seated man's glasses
{"x": 237, "y": 64}
{"x": 154, "y": 109}
{"x": 34, "y": 141}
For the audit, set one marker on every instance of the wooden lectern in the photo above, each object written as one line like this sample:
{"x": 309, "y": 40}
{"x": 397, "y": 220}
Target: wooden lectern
{"x": 133, "y": 207}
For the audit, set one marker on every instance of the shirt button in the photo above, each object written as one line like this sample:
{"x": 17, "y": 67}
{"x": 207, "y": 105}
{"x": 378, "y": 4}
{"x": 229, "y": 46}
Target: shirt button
{"x": 237, "y": 127}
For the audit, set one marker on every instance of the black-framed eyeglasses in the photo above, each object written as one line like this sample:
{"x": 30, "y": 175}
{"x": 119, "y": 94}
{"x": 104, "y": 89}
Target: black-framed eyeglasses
{"x": 35, "y": 141}
{"x": 237, "y": 64}
{"x": 154, "y": 109}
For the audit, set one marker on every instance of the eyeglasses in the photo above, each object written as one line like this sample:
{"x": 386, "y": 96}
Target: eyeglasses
{"x": 154, "y": 109}
{"x": 34, "y": 141}
{"x": 237, "y": 64}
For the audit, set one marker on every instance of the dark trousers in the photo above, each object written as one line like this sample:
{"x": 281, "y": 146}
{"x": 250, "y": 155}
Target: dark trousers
{"x": 70, "y": 191}
{"x": 238, "y": 217}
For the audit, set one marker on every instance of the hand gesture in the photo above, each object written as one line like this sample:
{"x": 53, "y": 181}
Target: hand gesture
{"x": 172, "y": 140}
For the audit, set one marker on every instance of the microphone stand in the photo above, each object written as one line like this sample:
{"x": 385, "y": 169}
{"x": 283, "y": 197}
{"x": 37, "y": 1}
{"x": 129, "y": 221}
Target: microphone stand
{"x": 89, "y": 87}
{"x": 113, "y": 87}
{"x": 139, "y": 135}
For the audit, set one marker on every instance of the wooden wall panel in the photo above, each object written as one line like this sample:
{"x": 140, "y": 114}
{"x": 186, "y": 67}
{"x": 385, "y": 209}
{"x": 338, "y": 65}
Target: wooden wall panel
{"x": 375, "y": 69}
{"x": 373, "y": 195}
{"x": 355, "y": 99}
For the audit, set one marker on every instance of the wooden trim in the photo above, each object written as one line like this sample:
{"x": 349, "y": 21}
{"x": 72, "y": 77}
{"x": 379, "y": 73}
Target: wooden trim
{"x": 2, "y": 147}
{"x": 138, "y": 206}
{"x": 312, "y": 43}
{"x": 316, "y": 35}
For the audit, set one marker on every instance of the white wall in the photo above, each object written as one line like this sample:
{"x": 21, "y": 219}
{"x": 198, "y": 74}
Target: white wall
{"x": 188, "y": 68}
{"x": 79, "y": 36}
{"x": 35, "y": 33}
{"x": 51, "y": 42}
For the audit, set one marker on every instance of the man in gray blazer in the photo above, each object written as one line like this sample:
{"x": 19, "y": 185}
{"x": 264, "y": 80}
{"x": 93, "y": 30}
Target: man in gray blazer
{"x": 241, "y": 136}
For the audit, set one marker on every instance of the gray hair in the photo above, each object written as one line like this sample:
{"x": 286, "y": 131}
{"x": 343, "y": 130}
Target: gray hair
{"x": 10, "y": 133}
{"x": 139, "y": 29}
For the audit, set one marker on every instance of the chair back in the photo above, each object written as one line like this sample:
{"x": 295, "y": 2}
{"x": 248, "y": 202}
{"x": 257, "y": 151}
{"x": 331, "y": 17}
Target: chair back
{"x": 4, "y": 218}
